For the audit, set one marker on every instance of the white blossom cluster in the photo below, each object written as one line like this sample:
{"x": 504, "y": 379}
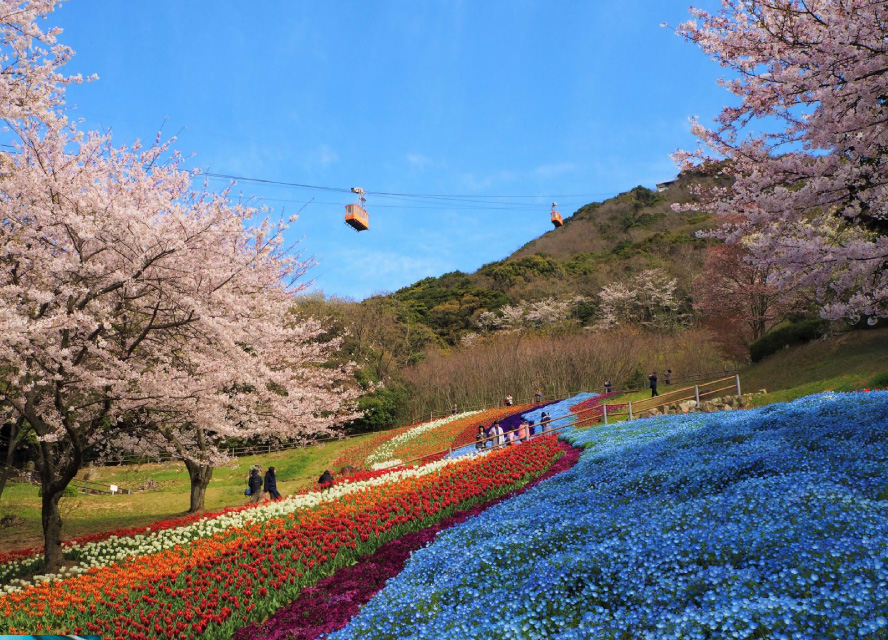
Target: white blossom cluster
{"x": 648, "y": 299}
{"x": 530, "y": 315}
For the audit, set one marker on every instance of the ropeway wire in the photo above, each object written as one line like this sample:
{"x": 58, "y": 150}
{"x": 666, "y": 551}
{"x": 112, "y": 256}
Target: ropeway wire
{"x": 461, "y": 198}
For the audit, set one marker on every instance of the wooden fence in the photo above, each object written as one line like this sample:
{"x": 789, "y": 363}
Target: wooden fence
{"x": 697, "y": 393}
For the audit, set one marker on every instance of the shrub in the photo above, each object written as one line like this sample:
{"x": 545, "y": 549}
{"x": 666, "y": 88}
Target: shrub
{"x": 381, "y": 408}
{"x": 787, "y": 335}
{"x": 880, "y": 381}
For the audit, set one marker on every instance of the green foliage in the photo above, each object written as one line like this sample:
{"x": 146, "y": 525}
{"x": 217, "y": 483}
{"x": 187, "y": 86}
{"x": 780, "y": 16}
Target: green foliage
{"x": 634, "y": 214}
{"x": 585, "y": 311}
{"x": 448, "y": 304}
{"x": 880, "y": 381}
{"x": 69, "y": 492}
{"x": 787, "y": 335}
{"x": 637, "y": 379}
{"x": 584, "y": 264}
{"x": 381, "y": 409}
{"x": 508, "y": 272}
{"x": 623, "y": 249}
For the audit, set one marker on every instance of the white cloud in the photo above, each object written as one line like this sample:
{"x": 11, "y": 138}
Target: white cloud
{"x": 554, "y": 170}
{"x": 474, "y": 182}
{"x": 326, "y": 156}
{"x": 418, "y": 161}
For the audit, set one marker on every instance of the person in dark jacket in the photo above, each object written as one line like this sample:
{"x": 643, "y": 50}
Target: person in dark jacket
{"x": 326, "y": 479}
{"x": 271, "y": 484}
{"x": 255, "y": 484}
{"x": 481, "y": 438}
{"x": 653, "y": 380}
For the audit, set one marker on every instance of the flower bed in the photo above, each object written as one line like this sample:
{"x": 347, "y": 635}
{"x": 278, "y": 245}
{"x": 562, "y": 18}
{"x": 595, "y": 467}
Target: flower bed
{"x": 764, "y": 523}
{"x": 590, "y": 412}
{"x": 356, "y": 456}
{"x": 335, "y": 600}
{"x": 410, "y": 445}
{"x": 560, "y": 411}
{"x": 211, "y": 586}
{"x": 97, "y": 550}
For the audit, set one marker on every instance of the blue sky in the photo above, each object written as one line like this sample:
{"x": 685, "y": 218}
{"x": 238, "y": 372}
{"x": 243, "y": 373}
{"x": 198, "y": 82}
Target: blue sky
{"x": 497, "y": 106}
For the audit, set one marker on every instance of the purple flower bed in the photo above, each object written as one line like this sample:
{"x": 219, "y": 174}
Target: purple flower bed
{"x": 335, "y": 600}
{"x": 512, "y": 422}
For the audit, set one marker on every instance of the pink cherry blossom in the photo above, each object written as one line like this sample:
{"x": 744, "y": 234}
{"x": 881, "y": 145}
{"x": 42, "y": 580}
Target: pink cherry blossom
{"x": 805, "y": 144}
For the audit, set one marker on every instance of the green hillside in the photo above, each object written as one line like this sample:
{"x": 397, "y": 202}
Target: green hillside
{"x": 601, "y": 242}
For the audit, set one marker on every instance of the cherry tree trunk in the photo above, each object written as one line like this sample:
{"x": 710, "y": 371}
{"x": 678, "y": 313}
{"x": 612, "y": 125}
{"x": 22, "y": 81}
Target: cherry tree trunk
{"x": 200, "y": 474}
{"x": 52, "y": 529}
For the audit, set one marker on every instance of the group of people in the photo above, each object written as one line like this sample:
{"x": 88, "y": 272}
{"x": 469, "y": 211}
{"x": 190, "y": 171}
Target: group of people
{"x": 495, "y": 436}
{"x": 259, "y": 488}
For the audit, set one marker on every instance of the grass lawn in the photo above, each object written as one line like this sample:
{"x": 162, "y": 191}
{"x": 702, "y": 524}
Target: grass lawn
{"x": 295, "y": 470}
{"x": 844, "y": 362}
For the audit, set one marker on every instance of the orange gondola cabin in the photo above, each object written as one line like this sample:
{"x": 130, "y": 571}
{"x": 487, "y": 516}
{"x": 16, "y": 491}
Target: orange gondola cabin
{"x": 556, "y": 217}
{"x": 355, "y": 215}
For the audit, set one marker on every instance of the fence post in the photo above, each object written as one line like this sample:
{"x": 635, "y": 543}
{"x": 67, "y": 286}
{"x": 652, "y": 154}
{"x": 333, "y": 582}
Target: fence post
{"x": 737, "y": 377}
{"x": 604, "y": 413}
{"x": 697, "y": 396}
{"x": 630, "y": 411}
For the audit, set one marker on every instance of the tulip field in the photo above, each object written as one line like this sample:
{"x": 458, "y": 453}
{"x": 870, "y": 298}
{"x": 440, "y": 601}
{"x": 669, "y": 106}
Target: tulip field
{"x": 763, "y": 523}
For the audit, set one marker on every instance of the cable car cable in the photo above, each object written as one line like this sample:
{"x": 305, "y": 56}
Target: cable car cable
{"x": 461, "y": 197}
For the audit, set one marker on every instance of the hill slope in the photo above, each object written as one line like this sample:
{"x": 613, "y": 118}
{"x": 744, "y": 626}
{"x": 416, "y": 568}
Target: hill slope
{"x": 599, "y": 243}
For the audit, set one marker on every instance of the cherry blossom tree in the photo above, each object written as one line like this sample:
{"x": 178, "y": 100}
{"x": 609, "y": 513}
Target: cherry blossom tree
{"x": 529, "y": 315}
{"x": 806, "y": 145}
{"x": 649, "y": 299}
{"x": 130, "y": 298}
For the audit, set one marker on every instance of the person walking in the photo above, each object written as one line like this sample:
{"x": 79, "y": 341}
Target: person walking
{"x": 271, "y": 484}
{"x": 508, "y": 401}
{"x": 608, "y": 387}
{"x": 538, "y": 396}
{"x": 667, "y": 379}
{"x": 255, "y": 484}
{"x": 454, "y": 410}
{"x": 653, "y": 380}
